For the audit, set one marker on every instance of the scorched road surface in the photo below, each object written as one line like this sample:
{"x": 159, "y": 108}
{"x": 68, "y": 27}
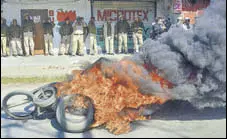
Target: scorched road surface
{"x": 170, "y": 122}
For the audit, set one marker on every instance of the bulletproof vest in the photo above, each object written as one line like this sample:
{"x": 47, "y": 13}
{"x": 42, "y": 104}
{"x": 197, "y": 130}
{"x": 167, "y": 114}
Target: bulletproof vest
{"x": 15, "y": 31}
{"x": 4, "y": 30}
{"x": 66, "y": 29}
{"x": 28, "y": 26}
{"x": 92, "y": 28}
{"x": 48, "y": 28}
{"x": 109, "y": 29}
{"x": 122, "y": 27}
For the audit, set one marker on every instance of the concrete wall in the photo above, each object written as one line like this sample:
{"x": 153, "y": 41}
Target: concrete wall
{"x": 165, "y": 9}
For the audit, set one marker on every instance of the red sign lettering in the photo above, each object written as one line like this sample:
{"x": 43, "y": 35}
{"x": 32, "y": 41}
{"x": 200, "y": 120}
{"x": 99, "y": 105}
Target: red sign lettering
{"x": 127, "y": 14}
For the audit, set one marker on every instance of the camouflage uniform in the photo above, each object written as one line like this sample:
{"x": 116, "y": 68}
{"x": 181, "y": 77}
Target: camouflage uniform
{"x": 4, "y": 38}
{"x": 138, "y": 28}
{"x": 66, "y": 30}
{"x": 15, "y": 39}
{"x": 29, "y": 33}
{"x": 121, "y": 30}
{"x": 93, "y": 42}
{"x": 48, "y": 37}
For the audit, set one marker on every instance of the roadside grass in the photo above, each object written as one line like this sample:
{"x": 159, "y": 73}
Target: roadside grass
{"x": 10, "y": 80}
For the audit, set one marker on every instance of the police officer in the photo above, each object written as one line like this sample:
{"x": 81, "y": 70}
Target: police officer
{"x": 4, "y": 38}
{"x": 121, "y": 32}
{"x": 78, "y": 37}
{"x": 186, "y": 25}
{"x": 92, "y": 32}
{"x": 65, "y": 31}
{"x": 48, "y": 36}
{"x": 29, "y": 33}
{"x": 156, "y": 29}
{"x": 168, "y": 24}
{"x": 85, "y": 28}
{"x": 138, "y": 28}
{"x": 15, "y": 34}
{"x": 108, "y": 31}
{"x": 162, "y": 25}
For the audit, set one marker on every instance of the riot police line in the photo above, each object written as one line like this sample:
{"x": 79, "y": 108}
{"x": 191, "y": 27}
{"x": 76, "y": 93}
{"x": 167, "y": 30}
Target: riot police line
{"x": 77, "y": 33}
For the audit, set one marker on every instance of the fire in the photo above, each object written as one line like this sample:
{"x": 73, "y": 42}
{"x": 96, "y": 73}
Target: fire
{"x": 116, "y": 96}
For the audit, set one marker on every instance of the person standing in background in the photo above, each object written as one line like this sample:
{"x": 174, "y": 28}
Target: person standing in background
{"x": 138, "y": 28}
{"x": 4, "y": 38}
{"x": 85, "y": 28}
{"x": 121, "y": 33}
{"x": 29, "y": 33}
{"x": 78, "y": 38}
{"x": 92, "y": 32}
{"x": 65, "y": 31}
{"x": 186, "y": 25}
{"x": 179, "y": 21}
{"x": 48, "y": 36}
{"x": 15, "y": 36}
{"x": 108, "y": 31}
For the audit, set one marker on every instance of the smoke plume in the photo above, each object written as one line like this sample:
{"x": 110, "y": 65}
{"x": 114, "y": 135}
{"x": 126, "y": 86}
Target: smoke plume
{"x": 194, "y": 61}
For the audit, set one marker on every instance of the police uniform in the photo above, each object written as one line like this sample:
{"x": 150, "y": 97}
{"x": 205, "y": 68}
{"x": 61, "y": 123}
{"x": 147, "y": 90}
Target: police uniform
{"x": 15, "y": 39}
{"x": 121, "y": 30}
{"x": 28, "y": 32}
{"x": 4, "y": 38}
{"x": 65, "y": 31}
{"x": 78, "y": 38}
{"x": 48, "y": 37}
{"x": 138, "y": 28}
{"x": 93, "y": 42}
{"x": 108, "y": 31}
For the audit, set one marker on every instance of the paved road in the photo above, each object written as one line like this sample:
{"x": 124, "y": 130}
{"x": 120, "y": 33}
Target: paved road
{"x": 170, "y": 123}
{"x": 43, "y": 66}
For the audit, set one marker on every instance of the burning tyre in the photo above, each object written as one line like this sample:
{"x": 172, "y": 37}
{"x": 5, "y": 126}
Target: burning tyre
{"x": 106, "y": 94}
{"x": 75, "y": 113}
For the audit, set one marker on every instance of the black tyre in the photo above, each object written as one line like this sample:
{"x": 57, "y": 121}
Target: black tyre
{"x": 77, "y": 121}
{"x": 12, "y": 105}
{"x": 45, "y": 97}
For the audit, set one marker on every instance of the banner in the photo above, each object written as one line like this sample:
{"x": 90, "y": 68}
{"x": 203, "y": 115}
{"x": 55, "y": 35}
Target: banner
{"x": 177, "y": 6}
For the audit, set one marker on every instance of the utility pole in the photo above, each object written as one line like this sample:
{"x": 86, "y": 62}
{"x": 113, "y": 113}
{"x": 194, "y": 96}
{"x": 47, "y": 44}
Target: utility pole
{"x": 92, "y": 7}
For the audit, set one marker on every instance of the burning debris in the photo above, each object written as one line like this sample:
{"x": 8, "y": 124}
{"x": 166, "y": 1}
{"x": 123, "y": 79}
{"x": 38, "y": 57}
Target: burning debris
{"x": 185, "y": 65}
{"x": 194, "y": 61}
{"x": 115, "y": 91}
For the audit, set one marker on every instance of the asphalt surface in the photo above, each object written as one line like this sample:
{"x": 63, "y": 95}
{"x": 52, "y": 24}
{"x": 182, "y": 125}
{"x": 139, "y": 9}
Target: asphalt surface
{"x": 175, "y": 120}
{"x": 48, "y": 66}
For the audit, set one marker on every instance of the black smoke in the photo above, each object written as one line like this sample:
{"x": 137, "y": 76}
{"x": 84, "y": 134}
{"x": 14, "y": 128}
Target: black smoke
{"x": 195, "y": 61}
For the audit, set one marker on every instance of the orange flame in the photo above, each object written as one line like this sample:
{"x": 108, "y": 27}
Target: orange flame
{"x": 116, "y": 96}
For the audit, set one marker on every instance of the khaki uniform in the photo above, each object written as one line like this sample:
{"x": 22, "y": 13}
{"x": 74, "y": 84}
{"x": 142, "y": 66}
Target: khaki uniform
{"x": 93, "y": 40}
{"x": 78, "y": 39}
{"x": 108, "y": 31}
{"x": 137, "y": 35}
{"x": 48, "y": 38}
{"x": 4, "y": 48}
{"x": 15, "y": 40}
{"x": 65, "y": 31}
{"x": 121, "y": 30}
{"x": 4, "y": 37}
{"x": 29, "y": 32}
